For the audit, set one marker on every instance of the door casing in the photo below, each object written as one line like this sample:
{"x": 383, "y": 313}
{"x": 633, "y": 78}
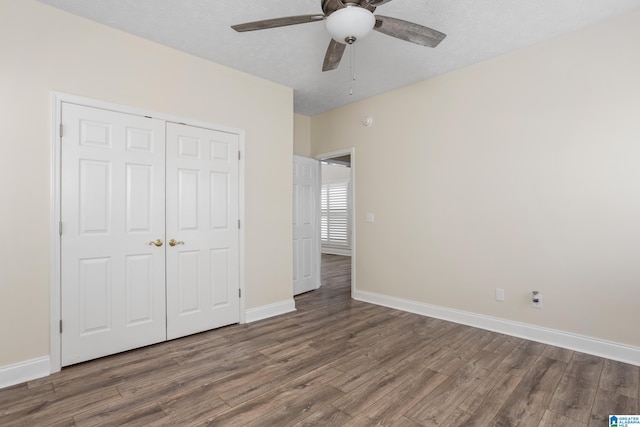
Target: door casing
{"x": 57, "y": 99}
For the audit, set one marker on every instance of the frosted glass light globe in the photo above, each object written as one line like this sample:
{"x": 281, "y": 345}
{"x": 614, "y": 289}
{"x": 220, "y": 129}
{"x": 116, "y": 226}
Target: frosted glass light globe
{"x": 350, "y": 23}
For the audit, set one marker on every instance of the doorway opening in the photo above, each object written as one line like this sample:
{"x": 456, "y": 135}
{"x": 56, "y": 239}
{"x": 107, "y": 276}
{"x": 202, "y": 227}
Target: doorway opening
{"x": 337, "y": 213}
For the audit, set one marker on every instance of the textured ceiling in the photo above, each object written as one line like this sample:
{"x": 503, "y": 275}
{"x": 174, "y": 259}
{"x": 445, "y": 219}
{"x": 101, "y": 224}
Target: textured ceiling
{"x": 292, "y": 56}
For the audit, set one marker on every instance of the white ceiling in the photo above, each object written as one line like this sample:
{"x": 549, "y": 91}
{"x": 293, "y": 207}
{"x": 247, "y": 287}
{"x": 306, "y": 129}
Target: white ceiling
{"x": 292, "y": 56}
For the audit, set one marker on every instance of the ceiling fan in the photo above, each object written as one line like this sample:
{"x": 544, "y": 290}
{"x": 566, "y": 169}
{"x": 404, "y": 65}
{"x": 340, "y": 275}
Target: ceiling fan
{"x": 348, "y": 21}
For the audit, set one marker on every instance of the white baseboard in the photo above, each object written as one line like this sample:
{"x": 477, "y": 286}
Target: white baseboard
{"x": 24, "y": 371}
{"x": 584, "y": 344}
{"x": 270, "y": 310}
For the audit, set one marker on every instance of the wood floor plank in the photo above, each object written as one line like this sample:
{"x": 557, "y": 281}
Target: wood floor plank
{"x": 326, "y": 415}
{"x": 120, "y": 413}
{"x": 361, "y": 370}
{"x": 586, "y": 367}
{"x": 611, "y": 403}
{"x": 503, "y": 344}
{"x": 262, "y": 405}
{"x": 272, "y": 376}
{"x": 21, "y": 397}
{"x": 573, "y": 398}
{"x": 552, "y": 419}
{"x": 360, "y": 398}
{"x": 529, "y": 400}
{"x": 295, "y": 410}
{"x": 191, "y": 406}
{"x": 423, "y": 354}
{"x": 438, "y": 405}
{"x": 561, "y": 354}
{"x": 406, "y": 422}
{"x": 412, "y": 390}
{"x": 488, "y": 398}
{"x": 59, "y": 407}
{"x": 620, "y": 378}
{"x": 518, "y": 362}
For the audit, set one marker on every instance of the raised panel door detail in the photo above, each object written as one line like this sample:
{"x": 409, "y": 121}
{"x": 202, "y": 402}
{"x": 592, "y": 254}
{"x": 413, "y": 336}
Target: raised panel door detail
{"x": 95, "y": 196}
{"x": 139, "y": 289}
{"x": 296, "y": 251}
{"x": 139, "y": 140}
{"x": 188, "y": 181}
{"x": 188, "y": 281}
{"x": 219, "y": 277}
{"x": 139, "y": 182}
{"x": 306, "y": 205}
{"x": 220, "y": 151}
{"x": 95, "y": 134}
{"x": 188, "y": 148}
{"x": 95, "y": 295}
{"x": 306, "y": 172}
{"x": 219, "y": 200}
{"x": 296, "y": 205}
{"x": 307, "y": 258}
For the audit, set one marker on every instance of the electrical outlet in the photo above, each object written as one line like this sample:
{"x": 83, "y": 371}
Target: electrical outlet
{"x": 499, "y": 294}
{"x": 536, "y": 300}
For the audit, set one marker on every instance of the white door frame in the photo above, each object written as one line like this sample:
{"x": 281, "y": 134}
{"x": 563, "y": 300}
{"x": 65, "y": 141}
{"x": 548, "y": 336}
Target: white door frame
{"x": 352, "y": 152}
{"x": 57, "y": 99}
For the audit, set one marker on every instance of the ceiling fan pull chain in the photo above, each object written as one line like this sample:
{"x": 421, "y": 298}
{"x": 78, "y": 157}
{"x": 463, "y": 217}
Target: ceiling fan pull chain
{"x": 352, "y": 68}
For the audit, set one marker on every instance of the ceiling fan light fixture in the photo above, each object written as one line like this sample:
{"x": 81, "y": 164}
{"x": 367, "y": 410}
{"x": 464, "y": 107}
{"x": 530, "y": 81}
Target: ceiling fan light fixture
{"x": 350, "y": 23}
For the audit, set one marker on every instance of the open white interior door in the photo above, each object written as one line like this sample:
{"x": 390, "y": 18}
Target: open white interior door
{"x": 306, "y": 244}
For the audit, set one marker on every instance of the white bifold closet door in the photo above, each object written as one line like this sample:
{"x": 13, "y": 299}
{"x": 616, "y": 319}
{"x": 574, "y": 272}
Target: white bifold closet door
{"x": 149, "y": 243}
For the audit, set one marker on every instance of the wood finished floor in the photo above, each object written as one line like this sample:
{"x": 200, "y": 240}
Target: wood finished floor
{"x": 334, "y": 362}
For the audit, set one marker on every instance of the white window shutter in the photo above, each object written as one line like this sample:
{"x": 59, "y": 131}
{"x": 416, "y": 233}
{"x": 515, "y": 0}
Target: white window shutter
{"x": 334, "y": 219}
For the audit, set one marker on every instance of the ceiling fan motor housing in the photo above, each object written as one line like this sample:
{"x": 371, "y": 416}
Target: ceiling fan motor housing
{"x": 330, "y": 6}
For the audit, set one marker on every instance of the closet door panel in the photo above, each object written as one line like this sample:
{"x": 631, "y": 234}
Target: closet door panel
{"x": 112, "y": 208}
{"x": 202, "y": 221}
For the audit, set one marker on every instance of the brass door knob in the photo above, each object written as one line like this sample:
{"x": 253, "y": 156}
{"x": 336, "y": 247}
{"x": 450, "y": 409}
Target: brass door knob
{"x": 157, "y": 242}
{"x": 174, "y": 242}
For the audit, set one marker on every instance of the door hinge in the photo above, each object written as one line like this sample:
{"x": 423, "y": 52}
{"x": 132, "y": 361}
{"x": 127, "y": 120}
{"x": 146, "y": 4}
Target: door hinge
{"x": 239, "y": 293}
{"x": 61, "y": 130}
{"x": 239, "y": 156}
{"x": 238, "y": 224}
{"x": 60, "y": 228}
{"x": 60, "y": 325}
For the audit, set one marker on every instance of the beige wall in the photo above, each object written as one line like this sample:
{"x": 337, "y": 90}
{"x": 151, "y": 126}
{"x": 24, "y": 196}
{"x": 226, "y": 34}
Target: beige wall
{"x": 46, "y": 50}
{"x": 521, "y": 173}
{"x": 301, "y": 135}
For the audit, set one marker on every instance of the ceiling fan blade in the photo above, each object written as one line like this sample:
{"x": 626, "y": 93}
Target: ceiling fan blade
{"x": 277, "y": 22}
{"x": 377, "y": 3}
{"x": 333, "y": 56}
{"x": 408, "y": 31}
